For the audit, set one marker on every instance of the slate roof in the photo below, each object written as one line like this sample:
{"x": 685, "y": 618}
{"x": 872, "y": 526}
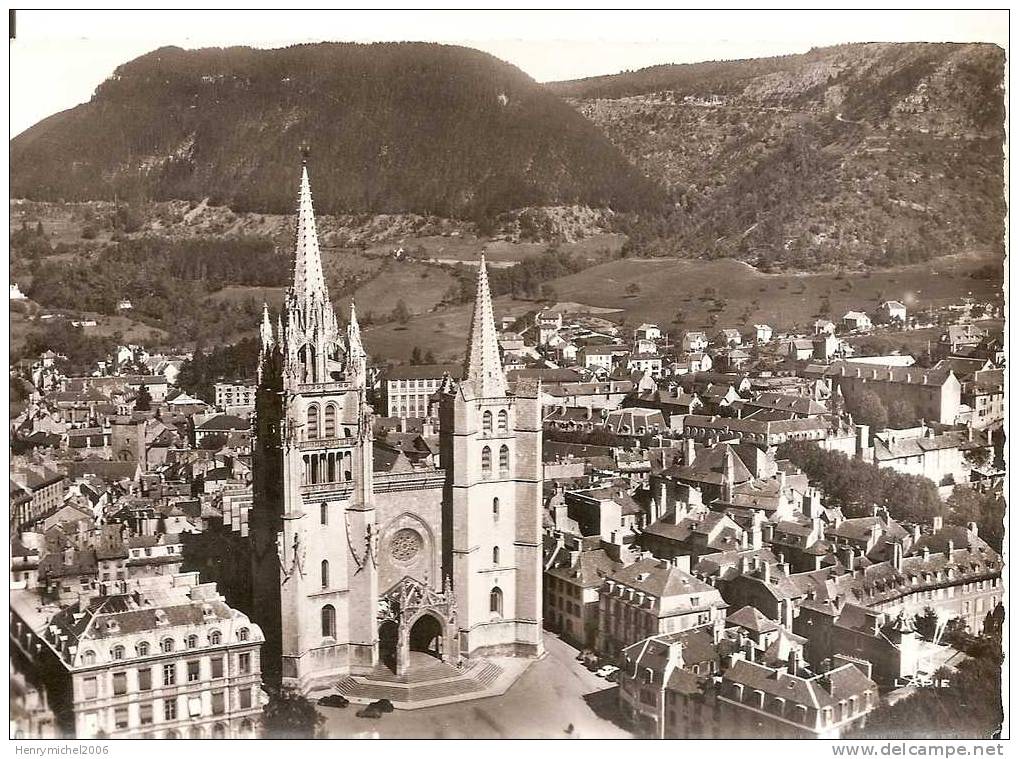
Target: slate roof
{"x": 425, "y": 371}
{"x": 815, "y": 692}
{"x": 912, "y": 375}
{"x": 751, "y": 619}
{"x": 660, "y": 579}
{"x": 224, "y": 422}
{"x": 590, "y": 569}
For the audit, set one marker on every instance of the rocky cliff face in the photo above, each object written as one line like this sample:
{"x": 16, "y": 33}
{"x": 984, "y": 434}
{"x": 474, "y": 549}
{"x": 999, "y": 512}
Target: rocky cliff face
{"x": 873, "y": 154}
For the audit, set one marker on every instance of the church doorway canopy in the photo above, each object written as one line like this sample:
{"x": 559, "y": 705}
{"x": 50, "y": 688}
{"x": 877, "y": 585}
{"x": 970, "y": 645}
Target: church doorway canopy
{"x": 414, "y": 617}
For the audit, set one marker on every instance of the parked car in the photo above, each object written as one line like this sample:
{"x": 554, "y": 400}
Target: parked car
{"x": 607, "y": 670}
{"x": 370, "y": 712}
{"x": 334, "y": 699}
{"x": 384, "y": 705}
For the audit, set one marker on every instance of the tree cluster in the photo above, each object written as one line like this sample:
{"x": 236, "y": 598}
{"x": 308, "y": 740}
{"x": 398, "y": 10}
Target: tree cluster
{"x": 223, "y": 363}
{"x": 856, "y": 486}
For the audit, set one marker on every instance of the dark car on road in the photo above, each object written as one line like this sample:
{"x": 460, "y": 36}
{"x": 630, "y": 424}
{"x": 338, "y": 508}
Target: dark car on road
{"x": 384, "y": 705}
{"x": 370, "y": 712}
{"x": 334, "y": 699}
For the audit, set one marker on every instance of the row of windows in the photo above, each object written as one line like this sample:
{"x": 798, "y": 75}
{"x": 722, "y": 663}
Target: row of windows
{"x": 504, "y": 459}
{"x": 219, "y": 731}
{"x": 324, "y": 423}
{"x": 172, "y": 712}
{"x": 328, "y": 467}
{"x": 168, "y": 672}
{"x": 166, "y": 645}
{"x": 486, "y": 422}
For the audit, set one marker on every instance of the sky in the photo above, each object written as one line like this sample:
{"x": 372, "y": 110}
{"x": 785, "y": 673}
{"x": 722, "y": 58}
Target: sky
{"x": 58, "y": 58}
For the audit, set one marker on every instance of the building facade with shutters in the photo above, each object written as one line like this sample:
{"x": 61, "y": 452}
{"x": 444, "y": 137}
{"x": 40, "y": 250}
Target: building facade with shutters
{"x": 168, "y": 658}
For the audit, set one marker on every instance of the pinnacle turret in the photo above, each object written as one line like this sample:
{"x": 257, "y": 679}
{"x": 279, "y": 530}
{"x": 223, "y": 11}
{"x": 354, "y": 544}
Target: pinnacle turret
{"x": 266, "y": 328}
{"x": 484, "y": 367}
{"x": 354, "y": 334}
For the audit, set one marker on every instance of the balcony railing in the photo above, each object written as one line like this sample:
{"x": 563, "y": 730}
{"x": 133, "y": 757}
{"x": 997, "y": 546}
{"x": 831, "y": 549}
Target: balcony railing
{"x": 335, "y": 489}
{"x": 316, "y": 444}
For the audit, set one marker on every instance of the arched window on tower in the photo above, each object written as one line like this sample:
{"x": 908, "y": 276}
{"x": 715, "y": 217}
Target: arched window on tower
{"x": 495, "y": 555}
{"x": 328, "y": 621}
{"x": 486, "y": 423}
{"x": 486, "y": 459}
{"x": 324, "y": 513}
{"x": 325, "y": 573}
{"x": 504, "y": 458}
{"x": 495, "y": 601}
{"x": 330, "y": 421}
{"x": 495, "y": 508}
{"x": 503, "y": 422}
{"x": 312, "y": 421}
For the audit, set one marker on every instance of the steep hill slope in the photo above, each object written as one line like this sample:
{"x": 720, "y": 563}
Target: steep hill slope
{"x": 406, "y": 127}
{"x": 877, "y": 154}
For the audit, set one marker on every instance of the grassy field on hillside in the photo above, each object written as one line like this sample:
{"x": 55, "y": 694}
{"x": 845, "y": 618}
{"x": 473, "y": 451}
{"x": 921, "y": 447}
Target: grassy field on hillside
{"x": 130, "y": 331}
{"x": 419, "y": 286}
{"x": 468, "y": 248}
{"x": 442, "y": 332}
{"x": 661, "y": 290}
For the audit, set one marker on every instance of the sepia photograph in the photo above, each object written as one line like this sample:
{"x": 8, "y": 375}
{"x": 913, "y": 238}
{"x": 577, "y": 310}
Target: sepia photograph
{"x": 508, "y": 374}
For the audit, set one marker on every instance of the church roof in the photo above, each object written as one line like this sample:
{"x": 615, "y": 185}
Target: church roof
{"x": 484, "y": 367}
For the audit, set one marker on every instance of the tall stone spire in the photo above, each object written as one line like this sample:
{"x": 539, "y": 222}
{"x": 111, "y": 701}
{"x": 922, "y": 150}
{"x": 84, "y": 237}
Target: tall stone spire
{"x": 484, "y": 368}
{"x": 308, "y": 278}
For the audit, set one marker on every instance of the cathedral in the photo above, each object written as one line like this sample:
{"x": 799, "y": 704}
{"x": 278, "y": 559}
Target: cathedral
{"x": 355, "y": 569}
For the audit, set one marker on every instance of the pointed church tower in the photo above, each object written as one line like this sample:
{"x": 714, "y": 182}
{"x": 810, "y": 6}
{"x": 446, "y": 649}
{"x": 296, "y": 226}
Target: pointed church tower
{"x": 484, "y": 367}
{"x": 313, "y": 507}
{"x": 490, "y": 449}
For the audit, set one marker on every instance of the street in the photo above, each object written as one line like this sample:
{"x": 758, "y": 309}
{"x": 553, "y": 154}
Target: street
{"x": 552, "y": 694}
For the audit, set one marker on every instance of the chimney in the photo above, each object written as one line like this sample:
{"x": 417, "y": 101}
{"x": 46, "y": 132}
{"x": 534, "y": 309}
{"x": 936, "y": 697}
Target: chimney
{"x": 926, "y": 553}
{"x": 744, "y": 541}
{"x": 793, "y": 663}
{"x": 689, "y": 451}
{"x": 950, "y": 549}
{"x": 766, "y": 571}
{"x": 817, "y": 528}
{"x": 897, "y": 556}
{"x": 916, "y": 534}
{"x": 682, "y": 563}
{"x": 743, "y": 565}
{"x": 848, "y": 558}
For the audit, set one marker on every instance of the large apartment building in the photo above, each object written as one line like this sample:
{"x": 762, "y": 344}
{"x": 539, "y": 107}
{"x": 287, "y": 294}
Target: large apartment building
{"x": 164, "y": 658}
{"x": 409, "y": 388}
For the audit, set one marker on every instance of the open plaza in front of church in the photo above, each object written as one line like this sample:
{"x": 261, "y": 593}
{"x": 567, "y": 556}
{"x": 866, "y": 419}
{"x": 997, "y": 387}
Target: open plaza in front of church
{"x": 555, "y": 692}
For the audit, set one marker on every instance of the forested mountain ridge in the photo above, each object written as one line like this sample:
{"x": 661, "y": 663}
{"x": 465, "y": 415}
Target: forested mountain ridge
{"x": 401, "y": 127}
{"x": 871, "y": 154}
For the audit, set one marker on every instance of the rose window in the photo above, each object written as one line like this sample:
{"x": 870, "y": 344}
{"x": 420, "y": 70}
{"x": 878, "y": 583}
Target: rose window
{"x": 405, "y": 544}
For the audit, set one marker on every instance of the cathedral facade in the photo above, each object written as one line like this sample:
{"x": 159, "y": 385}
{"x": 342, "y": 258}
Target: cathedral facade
{"x": 355, "y": 568}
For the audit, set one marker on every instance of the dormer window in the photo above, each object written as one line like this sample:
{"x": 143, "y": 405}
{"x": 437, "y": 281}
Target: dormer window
{"x": 167, "y": 646}
{"x": 242, "y": 634}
